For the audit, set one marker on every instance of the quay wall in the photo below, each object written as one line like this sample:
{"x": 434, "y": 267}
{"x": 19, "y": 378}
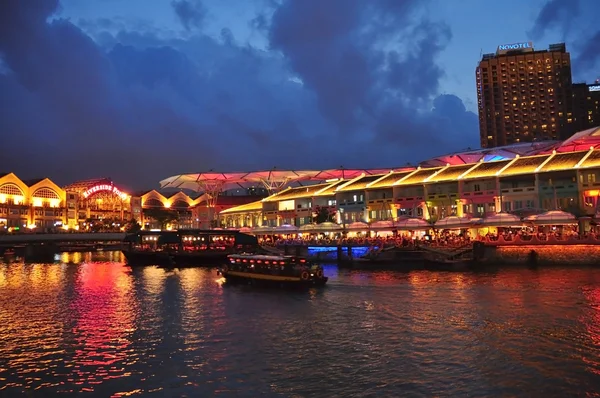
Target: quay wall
{"x": 548, "y": 254}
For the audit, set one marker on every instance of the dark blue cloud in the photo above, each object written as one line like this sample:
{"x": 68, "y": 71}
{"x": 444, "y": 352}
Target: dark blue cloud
{"x": 344, "y": 83}
{"x": 555, "y": 14}
{"x": 190, "y": 13}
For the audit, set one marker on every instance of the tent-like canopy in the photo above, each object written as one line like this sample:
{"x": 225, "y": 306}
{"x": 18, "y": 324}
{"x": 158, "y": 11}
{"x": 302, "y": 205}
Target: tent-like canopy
{"x": 500, "y": 220}
{"x": 552, "y": 217}
{"x": 285, "y": 229}
{"x": 384, "y": 225}
{"x": 262, "y": 230}
{"x": 454, "y": 222}
{"x": 413, "y": 224}
{"x": 323, "y": 227}
{"x": 580, "y": 141}
{"x": 490, "y": 154}
{"x": 357, "y": 226}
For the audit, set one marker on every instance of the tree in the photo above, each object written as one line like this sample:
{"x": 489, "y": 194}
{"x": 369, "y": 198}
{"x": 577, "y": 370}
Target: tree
{"x": 162, "y": 216}
{"x": 323, "y": 215}
{"x": 132, "y": 226}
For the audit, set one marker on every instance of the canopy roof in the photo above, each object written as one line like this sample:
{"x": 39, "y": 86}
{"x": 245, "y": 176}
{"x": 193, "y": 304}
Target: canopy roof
{"x": 491, "y": 154}
{"x": 413, "y": 224}
{"x": 453, "y": 222}
{"x": 552, "y": 217}
{"x": 271, "y": 179}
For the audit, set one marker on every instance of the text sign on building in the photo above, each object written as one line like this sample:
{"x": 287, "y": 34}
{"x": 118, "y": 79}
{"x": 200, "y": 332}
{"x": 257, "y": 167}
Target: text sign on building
{"x": 594, "y": 88}
{"x": 504, "y": 48}
{"x": 105, "y": 188}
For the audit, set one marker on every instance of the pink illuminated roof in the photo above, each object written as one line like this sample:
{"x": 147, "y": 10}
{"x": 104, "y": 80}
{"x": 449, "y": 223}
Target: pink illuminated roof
{"x": 580, "y": 141}
{"x": 491, "y": 154}
{"x": 272, "y": 179}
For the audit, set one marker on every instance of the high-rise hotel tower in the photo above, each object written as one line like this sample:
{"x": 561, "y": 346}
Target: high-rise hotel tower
{"x": 524, "y": 95}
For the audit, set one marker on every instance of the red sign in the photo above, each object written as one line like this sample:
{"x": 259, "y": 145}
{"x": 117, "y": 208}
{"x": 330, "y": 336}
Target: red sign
{"x": 105, "y": 188}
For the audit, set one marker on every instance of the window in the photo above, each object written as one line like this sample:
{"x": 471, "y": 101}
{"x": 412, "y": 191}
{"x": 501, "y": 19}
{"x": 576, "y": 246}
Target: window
{"x": 480, "y": 209}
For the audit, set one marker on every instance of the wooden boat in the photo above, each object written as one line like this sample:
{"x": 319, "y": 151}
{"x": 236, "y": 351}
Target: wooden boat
{"x": 272, "y": 270}
{"x": 185, "y": 247}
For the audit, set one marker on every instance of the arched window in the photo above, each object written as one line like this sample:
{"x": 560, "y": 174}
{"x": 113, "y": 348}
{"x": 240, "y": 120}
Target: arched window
{"x": 153, "y": 203}
{"x": 180, "y": 204}
{"x": 45, "y": 193}
{"x": 11, "y": 189}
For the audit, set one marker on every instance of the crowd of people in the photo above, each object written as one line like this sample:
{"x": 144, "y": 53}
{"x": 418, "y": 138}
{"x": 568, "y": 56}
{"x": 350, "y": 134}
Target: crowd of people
{"x": 445, "y": 238}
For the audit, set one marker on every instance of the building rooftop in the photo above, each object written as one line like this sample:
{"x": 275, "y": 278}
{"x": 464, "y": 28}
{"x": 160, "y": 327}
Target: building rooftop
{"x": 253, "y": 206}
{"x": 487, "y": 170}
{"x": 359, "y": 184}
{"x": 387, "y": 180}
{"x": 298, "y": 192}
{"x": 562, "y": 161}
{"x": 418, "y": 176}
{"x": 524, "y": 165}
{"x": 451, "y": 173}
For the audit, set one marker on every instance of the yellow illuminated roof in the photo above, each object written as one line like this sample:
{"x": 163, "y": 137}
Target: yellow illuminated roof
{"x": 254, "y": 206}
{"x": 390, "y": 179}
{"x": 488, "y": 169}
{"x": 361, "y": 183}
{"x": 330, "y": 191}
{"x": 524, "y": 165}
{"x": 593, "y": 160}
{"x": 297, "y": 192}
{"x": 419, "y": 176}
{"x": 563, "y": 161}
{"x": 450, "y": 173}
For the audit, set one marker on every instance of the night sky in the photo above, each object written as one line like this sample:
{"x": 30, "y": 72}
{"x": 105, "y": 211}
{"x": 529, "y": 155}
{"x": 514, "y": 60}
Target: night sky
{"x": 140, "y": 90}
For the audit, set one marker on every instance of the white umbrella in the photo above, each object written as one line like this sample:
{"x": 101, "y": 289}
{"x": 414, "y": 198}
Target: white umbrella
{"x": 453, "y": 222}
{"x": 358, "y": 226}
{"x": 552, "y": 217}
{"x": 306, "y": 227}
{"x": 286, "y": 229}
{"x": 500, "y": 220}
{"x": 326, "y": 227}
{"x": 262, "y": 230}
{"x": 413, "y": 224}
{"x": 383, "y": 225}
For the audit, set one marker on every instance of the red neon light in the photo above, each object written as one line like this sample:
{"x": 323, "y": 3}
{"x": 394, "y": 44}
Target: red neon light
{"x": 106, "y": 188}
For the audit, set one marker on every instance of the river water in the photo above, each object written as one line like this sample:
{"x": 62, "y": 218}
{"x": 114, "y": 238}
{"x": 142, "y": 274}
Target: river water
{"x": 91, "y": 325}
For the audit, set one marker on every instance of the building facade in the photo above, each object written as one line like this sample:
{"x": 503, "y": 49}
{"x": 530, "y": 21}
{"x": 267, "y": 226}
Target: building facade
{"x": 99, "y": 204}
{"x": 524, "y": 95}
{"x": 566, "y": 177}
{"x": 586, "y": 105}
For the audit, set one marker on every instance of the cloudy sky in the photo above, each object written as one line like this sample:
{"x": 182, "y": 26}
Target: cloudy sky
{"x": 140, "y": 90}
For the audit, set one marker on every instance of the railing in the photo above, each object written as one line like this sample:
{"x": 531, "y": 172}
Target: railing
{"x": 527, "y": 240}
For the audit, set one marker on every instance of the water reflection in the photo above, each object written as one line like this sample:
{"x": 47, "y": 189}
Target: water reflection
{"x": 89, "y": 324}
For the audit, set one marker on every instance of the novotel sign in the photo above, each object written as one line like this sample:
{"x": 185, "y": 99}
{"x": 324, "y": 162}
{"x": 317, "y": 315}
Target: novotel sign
{"x": 594, "y": 88}
{"x": 504, "y": 48}
{"x": 105, "y": 188}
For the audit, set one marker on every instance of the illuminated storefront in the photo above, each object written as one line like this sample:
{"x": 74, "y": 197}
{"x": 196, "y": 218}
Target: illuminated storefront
{"x": 97, "y": 200}
{"x": 30, "y": 204}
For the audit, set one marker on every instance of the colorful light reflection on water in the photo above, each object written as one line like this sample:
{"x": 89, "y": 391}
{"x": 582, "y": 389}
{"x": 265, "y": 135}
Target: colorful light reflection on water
{"x": 91, "y": 324}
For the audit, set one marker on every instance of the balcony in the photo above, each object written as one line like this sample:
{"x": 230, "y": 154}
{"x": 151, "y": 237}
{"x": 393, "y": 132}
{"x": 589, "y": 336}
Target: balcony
{"x": 490, "y": 192}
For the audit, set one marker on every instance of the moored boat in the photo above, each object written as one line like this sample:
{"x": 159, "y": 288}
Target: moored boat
{"x": 185, "y": 247}
{"x": 272, "y": 270}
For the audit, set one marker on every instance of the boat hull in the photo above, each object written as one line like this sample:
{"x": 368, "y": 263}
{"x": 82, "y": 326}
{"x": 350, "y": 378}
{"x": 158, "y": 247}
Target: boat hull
{"x": 209, "y": 259}
{"x": 248, "y": 278}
